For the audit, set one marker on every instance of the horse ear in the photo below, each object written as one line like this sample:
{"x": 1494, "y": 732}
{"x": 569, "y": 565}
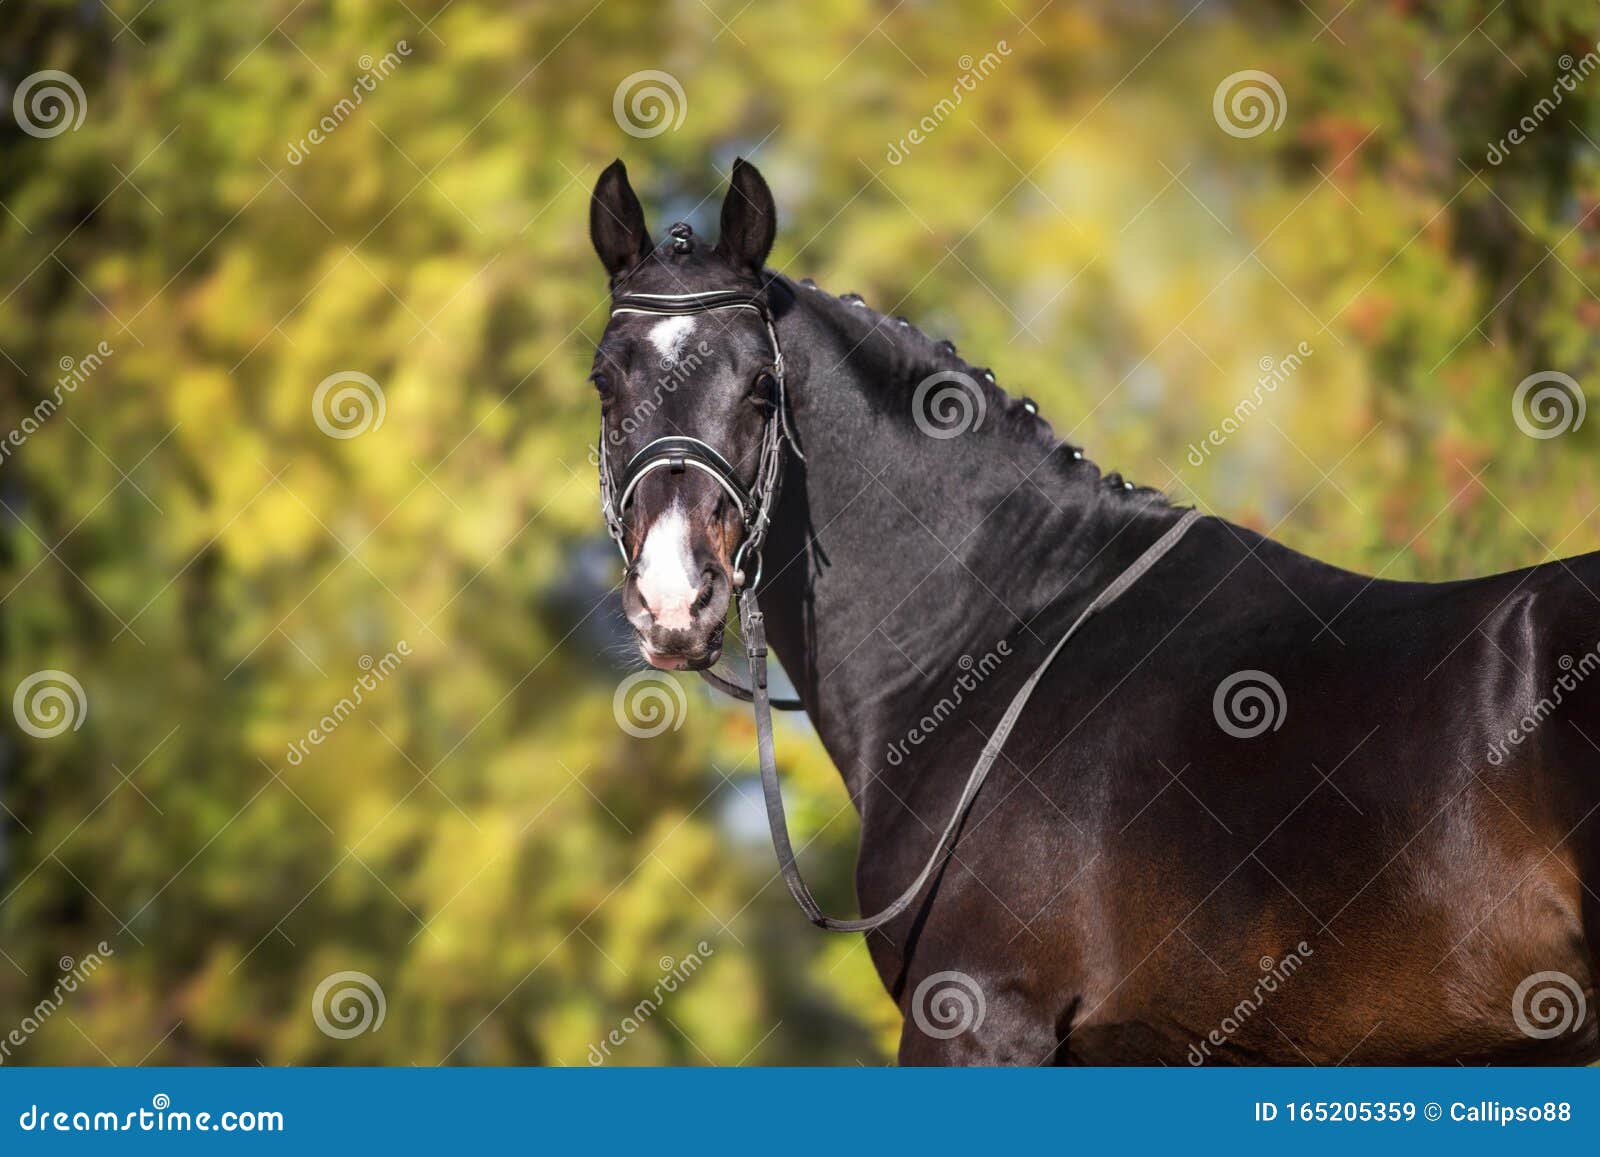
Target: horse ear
{"x": 749, "y": 218}
{"x": 616, "y": 222}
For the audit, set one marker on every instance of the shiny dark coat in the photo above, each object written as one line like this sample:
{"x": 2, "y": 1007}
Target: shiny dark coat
{"x": 1133, "y": 871}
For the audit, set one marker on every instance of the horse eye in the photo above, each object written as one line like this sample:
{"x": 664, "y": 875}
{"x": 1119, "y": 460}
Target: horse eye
{"x": 601, "y": 381}
{"x": 766, "y": 388}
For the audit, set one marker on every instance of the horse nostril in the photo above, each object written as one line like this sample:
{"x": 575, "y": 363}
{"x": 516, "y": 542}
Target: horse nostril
{"x": 707, "y": 591}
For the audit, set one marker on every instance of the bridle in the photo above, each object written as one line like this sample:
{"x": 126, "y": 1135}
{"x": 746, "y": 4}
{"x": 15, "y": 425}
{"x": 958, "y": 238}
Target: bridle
{"x": 681, "y": 452}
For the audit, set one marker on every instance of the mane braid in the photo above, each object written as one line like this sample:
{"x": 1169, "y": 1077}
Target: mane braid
{"x": 917, "y": 356}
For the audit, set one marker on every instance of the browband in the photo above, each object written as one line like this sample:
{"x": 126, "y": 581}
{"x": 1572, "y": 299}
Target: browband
{"x": 687, "y": 302}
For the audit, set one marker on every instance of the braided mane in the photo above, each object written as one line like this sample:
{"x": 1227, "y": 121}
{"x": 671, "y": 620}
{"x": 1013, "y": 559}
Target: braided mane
{"x": 916, "y": 356}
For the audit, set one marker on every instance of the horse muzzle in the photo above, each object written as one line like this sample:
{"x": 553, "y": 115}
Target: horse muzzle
{"x": 676, "y": 598}
{"x": 698, "y": 659}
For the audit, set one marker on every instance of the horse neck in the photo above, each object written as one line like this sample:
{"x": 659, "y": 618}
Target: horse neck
{"x": 904, "y": 569}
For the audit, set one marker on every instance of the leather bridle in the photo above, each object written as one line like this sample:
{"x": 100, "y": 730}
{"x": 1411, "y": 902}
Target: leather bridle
{"x": 681, "y": 452}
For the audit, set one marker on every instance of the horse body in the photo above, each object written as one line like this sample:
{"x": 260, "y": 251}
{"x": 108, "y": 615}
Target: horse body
{"x": 1382, "y": 858}
{"x": 1130, "y": 865}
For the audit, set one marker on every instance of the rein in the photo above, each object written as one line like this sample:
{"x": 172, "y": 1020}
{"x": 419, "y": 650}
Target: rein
{"x": 755, "y": 640}
{"x": 681, "y": 452}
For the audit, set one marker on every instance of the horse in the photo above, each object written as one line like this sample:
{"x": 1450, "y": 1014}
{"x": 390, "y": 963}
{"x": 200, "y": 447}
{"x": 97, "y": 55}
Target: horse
{"x": 1258, "y": 810}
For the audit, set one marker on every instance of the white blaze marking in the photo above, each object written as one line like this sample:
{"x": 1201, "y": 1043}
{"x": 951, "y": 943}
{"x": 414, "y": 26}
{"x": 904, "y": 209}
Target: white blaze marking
{"x": 667, "y": 581}
{"x": 669, "y": 336}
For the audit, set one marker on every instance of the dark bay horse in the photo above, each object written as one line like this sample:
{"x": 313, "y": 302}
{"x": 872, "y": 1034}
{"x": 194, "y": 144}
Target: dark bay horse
{"x": 1260, "y": 810}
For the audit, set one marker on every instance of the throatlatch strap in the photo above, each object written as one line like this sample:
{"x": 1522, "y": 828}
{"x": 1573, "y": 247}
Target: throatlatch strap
{"x": 755, "y": 638}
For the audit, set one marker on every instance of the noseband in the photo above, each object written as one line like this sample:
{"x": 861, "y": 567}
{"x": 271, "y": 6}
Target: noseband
{"x": 681, "y": 452}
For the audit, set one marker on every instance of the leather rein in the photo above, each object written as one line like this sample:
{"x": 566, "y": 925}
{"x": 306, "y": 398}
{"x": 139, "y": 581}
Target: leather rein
{"x": 755, "y": 502}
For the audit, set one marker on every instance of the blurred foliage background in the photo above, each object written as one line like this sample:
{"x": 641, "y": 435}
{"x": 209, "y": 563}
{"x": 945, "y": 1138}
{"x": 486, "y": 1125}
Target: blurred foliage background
{"x": 480, "y": 837}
